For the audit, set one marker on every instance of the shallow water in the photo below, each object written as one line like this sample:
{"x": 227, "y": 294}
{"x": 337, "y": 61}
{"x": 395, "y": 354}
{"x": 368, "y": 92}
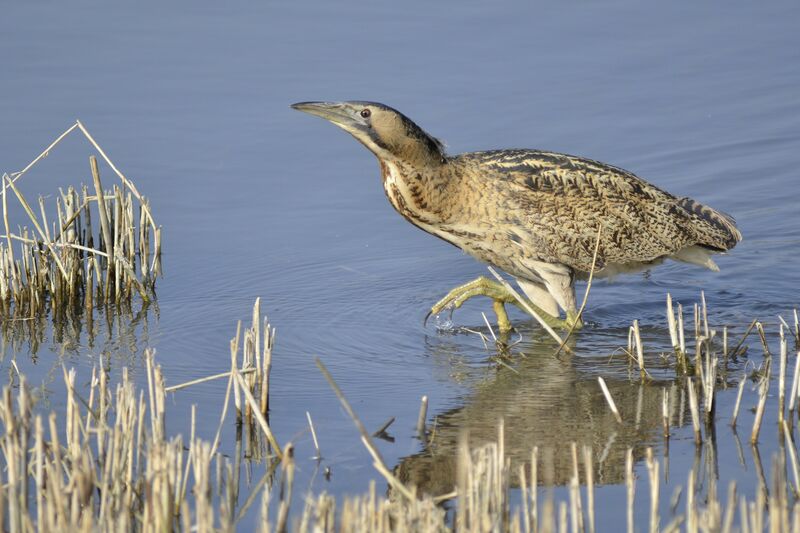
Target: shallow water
{"x": 259, "y": 200}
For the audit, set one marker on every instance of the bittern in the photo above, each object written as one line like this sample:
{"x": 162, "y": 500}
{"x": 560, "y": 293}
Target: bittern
{"x": 534, "y": 214}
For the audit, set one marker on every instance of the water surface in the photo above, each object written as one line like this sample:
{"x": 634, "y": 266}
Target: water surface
{"x": 258, "y": 200}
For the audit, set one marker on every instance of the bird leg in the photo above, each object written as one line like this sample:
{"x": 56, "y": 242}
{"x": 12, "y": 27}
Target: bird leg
{"x": 483, "y": 286}
{"x": 503, "y": 323}
{"x": 573, "y": 321}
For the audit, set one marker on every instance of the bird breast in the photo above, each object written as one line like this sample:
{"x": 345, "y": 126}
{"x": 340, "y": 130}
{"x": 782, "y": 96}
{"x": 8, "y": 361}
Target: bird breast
{"x": 408, "y": 193}
{"x": 438, "y": 204}
{"x": 424, "y": 199}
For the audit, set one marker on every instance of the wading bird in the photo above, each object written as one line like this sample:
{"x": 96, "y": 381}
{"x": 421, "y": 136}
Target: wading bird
{"x": 534, "y": 214}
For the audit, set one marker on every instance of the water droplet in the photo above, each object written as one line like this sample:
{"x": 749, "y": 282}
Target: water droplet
{"x": 444, "y": 322}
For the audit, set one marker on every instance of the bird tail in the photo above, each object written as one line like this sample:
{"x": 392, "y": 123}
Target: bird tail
{"x": 721, "y": 233}
{"x": 696, "y": 255}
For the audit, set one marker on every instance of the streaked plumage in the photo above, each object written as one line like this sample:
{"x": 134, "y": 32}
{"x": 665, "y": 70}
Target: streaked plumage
{"x": 534, "y": 214}
{"x": 551, "y": 204}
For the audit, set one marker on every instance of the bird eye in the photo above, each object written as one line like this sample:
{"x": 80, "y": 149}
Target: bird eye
{"x": 365, "y": 113}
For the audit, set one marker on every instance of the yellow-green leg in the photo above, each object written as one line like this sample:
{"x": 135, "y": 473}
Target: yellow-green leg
{"x": 503, "y": 323}
{"x": 483, "y": 286}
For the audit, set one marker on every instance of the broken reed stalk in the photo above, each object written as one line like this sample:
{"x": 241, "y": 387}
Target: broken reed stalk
{"x": 783, "y": 355}
{"x": 704, "y": 308}
{"x": 256, "y": 364}
{"x": 287, "y": 483}
{"x": 738, "y": 401}
{"x": 676, "y": 334}
{"x": 108, "y": 242}
{"x": 789, "y": 445}
{"x": 237, "y": 396}
{"x": 422, "y": 417}
{"x": 694, "y": 410}
{"x": 796, "y": 329}
{"x": 381, "y": 430}
{"x": 735, "y": 351}
{"x": 266, "y": 364}
{"x": 725, "y": 343}
{"x": 609, "y": 399}
{"x": 763, "y": 390}
{"x": 763, "y": 338}
{"x": 257, "y": 413}
{"x": 528, "y": 308}
{"x": 637, "y": 340}
{"x": 673, "y": 326}
{"x": 709, "y": 381}
{"x": 128, "y": 184}
{"x": 314, "y": 436}
{"x": 35, "y": 221}
{"x": 173, "y": 388}
{"x": 794, "y": 391}
{"x": 379, "y": 463}
{"x": 579, "y": 315}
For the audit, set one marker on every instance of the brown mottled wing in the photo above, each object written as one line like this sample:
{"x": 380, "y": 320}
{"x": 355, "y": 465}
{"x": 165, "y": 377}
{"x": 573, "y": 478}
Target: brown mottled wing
{"x": 557, "y": 202}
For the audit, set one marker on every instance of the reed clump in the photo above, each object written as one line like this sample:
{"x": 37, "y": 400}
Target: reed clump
{"x": 109, "y": 463}
{"x": 101, "y": 247}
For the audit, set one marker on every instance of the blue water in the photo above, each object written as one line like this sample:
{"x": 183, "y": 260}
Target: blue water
{"x": 191, "y": 102}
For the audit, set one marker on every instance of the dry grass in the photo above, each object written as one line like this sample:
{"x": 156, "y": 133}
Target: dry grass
{"x": 100, "y": 247}
{"x": 109, "y": 464}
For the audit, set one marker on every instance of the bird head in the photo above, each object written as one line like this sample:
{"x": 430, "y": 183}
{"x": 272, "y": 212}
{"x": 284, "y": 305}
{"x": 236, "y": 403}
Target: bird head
{"x": 386, "y": 132}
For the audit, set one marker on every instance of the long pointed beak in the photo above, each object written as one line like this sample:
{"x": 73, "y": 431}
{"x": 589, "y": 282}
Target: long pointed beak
{"x": 332, "y": 111}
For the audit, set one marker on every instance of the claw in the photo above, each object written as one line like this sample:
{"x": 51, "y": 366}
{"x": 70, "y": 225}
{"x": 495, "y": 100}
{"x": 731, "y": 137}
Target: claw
{"x": 434, "y": 312}
{"x": 483, "y": 286}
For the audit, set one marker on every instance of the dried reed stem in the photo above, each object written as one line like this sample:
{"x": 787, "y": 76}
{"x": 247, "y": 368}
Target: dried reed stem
{"x": 528, "y": 308}
{"x": 695, "y": 412}
{"x": 173, "y": 388}
{"x": 379, "y": 463}
{"x": 248, "y": 396}
{"x": 738, "y": 401}
{"x": 579, "y": 316}
{"x": 423, "y": 415}
{"x": 609, "y": 399}
{"x": 313, "y": 436}
{"x": 784, "y": 353}
{"x": 763, "y": 390}
{"x": 639, "y": 350}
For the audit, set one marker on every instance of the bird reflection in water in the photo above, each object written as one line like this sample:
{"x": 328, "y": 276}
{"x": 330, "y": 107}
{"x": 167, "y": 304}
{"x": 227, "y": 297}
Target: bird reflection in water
{"x": 549, "y": 403}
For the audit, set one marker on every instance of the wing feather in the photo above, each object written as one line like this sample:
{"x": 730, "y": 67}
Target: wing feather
{"x": 555, "y": 203}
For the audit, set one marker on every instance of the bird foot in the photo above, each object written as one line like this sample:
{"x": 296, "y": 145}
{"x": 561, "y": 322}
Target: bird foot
{"x": 483, "y": 286}
{"x": 573, "y": 321}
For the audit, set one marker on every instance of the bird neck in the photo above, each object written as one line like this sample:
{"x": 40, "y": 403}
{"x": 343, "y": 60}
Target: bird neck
{"x": 423, "y": 154}
{"x": 414, "y": 191}
{"x": 422, "y": 173}
{"x": 404, "y": 143}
